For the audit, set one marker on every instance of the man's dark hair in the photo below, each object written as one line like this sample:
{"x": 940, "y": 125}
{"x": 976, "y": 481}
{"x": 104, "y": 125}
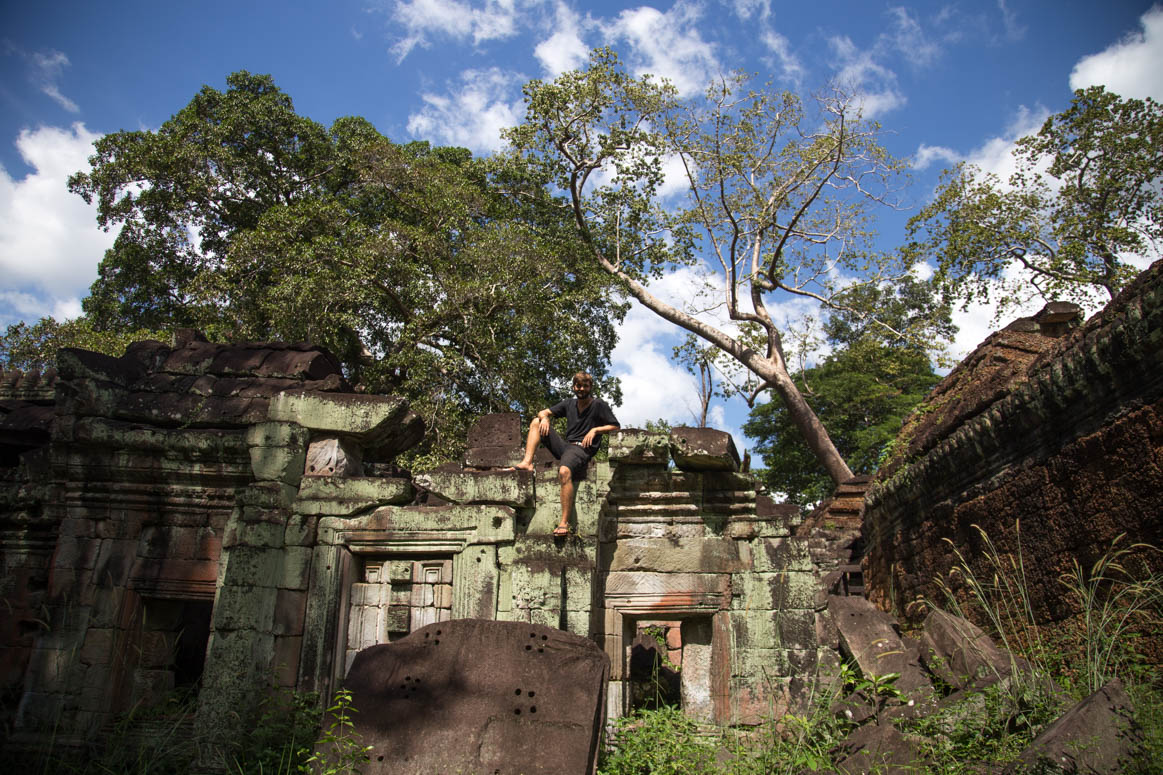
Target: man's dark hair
{"x": 582, "y": 378}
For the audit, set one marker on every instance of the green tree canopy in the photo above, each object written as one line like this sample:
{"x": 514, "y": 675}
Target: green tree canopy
{"x": 1086, "y": 197}
{"x": 778, "y": 194}
{"x": 34, "y": 347}
{"x": 862, "y": 391}
{"x": 457, "y": 282}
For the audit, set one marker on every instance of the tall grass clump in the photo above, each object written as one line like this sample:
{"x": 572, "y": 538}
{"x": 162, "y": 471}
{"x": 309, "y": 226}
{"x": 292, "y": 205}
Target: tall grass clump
{"x": 1117, "y": 607}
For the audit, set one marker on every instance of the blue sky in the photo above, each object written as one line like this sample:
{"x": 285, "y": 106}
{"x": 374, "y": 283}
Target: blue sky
{"x": 951, "y": 81}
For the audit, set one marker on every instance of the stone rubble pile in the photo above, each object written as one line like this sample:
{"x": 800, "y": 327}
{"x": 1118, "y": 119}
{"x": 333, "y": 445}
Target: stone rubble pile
{"x": 945, "y": 674}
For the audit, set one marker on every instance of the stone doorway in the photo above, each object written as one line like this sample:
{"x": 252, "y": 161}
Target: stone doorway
{"x": 170, "y": 651}
{"x": 668, "y": 663}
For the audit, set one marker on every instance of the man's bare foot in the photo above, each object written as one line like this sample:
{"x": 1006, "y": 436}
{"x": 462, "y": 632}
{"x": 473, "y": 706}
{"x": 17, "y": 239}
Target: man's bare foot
{"x": 521, "y": 467}
{"x": 561, "y": 531}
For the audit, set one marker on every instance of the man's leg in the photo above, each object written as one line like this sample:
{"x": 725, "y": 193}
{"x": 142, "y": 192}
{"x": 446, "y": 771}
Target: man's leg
{"x": 567, "y": 495}
{"x": 531, "y": 442}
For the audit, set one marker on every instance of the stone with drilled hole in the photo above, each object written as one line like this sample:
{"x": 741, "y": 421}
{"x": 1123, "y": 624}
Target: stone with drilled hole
{"x": 471, "y": 695}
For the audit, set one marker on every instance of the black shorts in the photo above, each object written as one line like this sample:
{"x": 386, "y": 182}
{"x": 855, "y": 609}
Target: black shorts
{"x": 572, "y": 456}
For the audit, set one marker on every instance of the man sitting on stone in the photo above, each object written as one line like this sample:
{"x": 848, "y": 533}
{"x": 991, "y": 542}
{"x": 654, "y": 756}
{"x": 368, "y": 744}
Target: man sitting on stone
{"x": 586, "y": 418}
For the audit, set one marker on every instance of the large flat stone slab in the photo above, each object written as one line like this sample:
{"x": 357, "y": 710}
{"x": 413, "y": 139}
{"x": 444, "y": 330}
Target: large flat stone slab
{"x": 959, "y": 652}
{"x": 867, "y": 634}
{"x": 383, "y": 422}
{"x": 1098, "y": 735}
{"x": 513, "y": 488}
{"x": 472, "y": 696}
{"x": 703, "y": 449}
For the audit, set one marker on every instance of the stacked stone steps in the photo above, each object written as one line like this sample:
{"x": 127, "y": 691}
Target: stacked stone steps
{"x": 834, "y": 540}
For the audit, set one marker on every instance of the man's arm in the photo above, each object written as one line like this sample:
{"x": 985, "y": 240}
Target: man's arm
{"x": 592, "y": 437}
{"x": 543, "y": 420}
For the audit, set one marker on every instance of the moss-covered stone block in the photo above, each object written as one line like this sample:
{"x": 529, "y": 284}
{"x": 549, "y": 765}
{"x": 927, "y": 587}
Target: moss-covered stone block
{"x": 259, "y": 534}
{"x": 776, "y": 591}
{"x": 513, "y": 488}
{"x": 638, "y": 447}
{"x": 703, "y": 449}
{"x": 789, "y": 554}
{"x": 278, "y": 464}
{"x": 790, "y": 629}
{"x": 250, "y": 565}
{"x": 344, "y": 496}
{"x": 245, "y": 607}
{"x": 300, "y": 530}
{"x": 277, "y": 434}
{"x": 688, "y": 555}
{"x": 296, "y": 573}
{"x": 373, "y": 420}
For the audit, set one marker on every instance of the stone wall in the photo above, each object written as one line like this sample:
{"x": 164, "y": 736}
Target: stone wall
{"x": 1048, "y": 425}
{"x": 224, "y": 518}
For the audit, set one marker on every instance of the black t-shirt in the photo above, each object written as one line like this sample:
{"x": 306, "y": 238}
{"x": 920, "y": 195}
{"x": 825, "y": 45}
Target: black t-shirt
{"x": 578, "y": 424}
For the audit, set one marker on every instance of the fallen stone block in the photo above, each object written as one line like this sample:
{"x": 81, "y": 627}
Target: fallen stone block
{"x": 877, "y": 749}
{"x": 471, "y": 695}
{"x": 382, "y": 422}
{"x": 703, "y": 449}
{"x": 867, "y": 634}
{"x": 342, "y": 496}
{"x": 497, "y": 430}
{"x": 1097, "y": 736}
{"x": 960, "y": 654}
{"x": 495, "y": 441}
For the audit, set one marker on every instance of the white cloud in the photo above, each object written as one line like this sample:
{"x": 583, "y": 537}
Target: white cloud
{"x": 1130, "y": 67}
{"x": 745, "y": 9}
{"x": 873, "y": 85}
{"x": 910, "y": 40}
{"x": 49, "y": 241}
{"x": 927, "y": 154}
{"x": 996, "y": 154}
{"x": 47, "y": 70}
{"x": 420, "y": 19}
{"x": 474, "y": 113}
{"x": 1014, "y": 30}
{"x": 789, "y": 63}
{"x": 667, "y": 45}
{"x": 564, "y": 50}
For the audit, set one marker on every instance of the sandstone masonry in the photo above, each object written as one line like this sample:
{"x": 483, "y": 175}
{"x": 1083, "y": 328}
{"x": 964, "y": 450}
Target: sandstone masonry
{"x": 224, "y": 518}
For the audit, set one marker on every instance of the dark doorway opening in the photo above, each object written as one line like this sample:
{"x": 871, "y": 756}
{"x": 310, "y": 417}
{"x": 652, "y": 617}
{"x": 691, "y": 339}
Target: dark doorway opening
{"x": 655, "y": 678}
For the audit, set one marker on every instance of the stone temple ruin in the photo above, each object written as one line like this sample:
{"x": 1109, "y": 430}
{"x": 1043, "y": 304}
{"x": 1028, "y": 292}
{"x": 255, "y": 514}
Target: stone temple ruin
{"x": 228, "y": 517}
{"x": 225, "y": 516}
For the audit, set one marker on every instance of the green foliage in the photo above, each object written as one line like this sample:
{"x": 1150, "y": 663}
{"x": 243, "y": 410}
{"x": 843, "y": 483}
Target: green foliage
{"x": 338, "y": 751}
{"x": 458, "y": 283}
{"x": 658, "y": 742}
{"x": 876, "y": 689}
{"x": 862, "y": 395}
{"x": 661, "y": 425}
{"x": 1085, "y": 196}
{"x": 32, "y": 347}
{"x": 875, "y": 375}
{"x": 282, "y": 739}
{"x": 984, "y": 731}
{"x": 778, "y": 194}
